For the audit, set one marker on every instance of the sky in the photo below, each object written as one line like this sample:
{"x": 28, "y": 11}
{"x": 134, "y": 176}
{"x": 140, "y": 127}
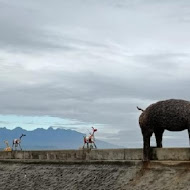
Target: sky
{"x": 74, "y": 64}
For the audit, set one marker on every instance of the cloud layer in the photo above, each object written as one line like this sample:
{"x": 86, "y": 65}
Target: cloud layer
{"x": 94, "y": 61}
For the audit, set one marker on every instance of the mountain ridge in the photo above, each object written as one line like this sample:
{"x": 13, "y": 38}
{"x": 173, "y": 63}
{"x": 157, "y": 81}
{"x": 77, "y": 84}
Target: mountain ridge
{"x": 50, "y": 138}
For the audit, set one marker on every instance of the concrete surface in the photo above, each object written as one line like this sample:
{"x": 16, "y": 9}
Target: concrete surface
{"x": 178, "y": 154}
{"x": 131, "y": 175}
{"x": 113, "y": 169}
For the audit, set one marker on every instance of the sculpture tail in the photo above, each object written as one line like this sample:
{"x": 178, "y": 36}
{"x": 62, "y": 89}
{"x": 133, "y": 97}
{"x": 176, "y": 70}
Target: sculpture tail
{"x": 140, "y": 109}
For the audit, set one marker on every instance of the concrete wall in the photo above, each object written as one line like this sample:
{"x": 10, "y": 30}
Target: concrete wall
{"x": 178, "y": 154}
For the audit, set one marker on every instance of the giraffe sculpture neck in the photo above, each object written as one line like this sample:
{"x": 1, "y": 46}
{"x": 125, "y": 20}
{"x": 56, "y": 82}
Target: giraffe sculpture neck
{"x": 21, "y": 137}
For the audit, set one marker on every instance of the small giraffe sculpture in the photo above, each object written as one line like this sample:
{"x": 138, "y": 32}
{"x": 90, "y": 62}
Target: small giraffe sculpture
{"x": 90, "y": 139}
{"x": 16, "y": 142}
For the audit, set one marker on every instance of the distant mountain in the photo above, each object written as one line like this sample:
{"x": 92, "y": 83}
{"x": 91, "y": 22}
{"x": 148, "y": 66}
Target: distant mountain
{"x": 50, "y": 138}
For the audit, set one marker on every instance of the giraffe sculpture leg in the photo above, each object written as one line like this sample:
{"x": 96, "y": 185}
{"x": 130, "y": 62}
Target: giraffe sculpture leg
{"x": 95, "y": 145}
{"x": 84, "y": 145}
{"x": 20, "y": 146}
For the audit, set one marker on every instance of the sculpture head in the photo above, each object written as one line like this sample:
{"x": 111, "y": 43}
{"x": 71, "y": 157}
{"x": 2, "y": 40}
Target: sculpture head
{"x": 94, "y": 130}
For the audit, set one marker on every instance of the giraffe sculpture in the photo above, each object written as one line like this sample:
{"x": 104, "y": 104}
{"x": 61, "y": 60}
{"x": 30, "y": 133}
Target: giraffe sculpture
{"x": 16, "y": 142}
{"x": 90, "y": 139}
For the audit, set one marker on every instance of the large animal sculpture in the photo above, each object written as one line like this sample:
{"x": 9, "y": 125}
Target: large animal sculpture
{"x": 17, "y": 142}
{"x": 90, "y": 140}
{"x": 171, "y": 115}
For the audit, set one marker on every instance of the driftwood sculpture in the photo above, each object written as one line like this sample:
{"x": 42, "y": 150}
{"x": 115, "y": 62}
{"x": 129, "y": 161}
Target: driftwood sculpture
{"x": 171, "y": 115}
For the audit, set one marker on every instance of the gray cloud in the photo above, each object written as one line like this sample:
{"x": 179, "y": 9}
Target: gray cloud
{"x": 93, "y": 61}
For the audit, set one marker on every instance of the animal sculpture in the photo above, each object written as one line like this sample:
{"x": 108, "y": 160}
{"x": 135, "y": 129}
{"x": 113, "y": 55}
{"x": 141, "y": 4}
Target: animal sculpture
{"x": 17, "y": 142}
{"x": 8, "y": 148}
{"x": 90, "y": 139}
{"x": 171, "y": 115}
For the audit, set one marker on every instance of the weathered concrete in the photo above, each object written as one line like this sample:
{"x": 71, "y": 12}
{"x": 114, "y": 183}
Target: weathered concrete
{"x": 171, "y": 154}
{"x": 96, "y": 175}
{"x": 176, "y": 154}
{"x": 95, "y": 169}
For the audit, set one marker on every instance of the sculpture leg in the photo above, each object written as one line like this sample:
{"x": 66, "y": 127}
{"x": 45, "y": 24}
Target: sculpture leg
{"x": 146, "y": 147}
{"x": 158, "y": 135}
{"x": 95, "y": 145}
{"x": 189, "y": 135}
{"x": 20, "y": 146}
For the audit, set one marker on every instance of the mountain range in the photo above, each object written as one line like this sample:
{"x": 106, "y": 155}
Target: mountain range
{"x": 46, "y": 139}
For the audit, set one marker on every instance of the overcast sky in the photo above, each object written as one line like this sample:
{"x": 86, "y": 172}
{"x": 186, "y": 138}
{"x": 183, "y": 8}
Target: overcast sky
{"x": 78, "y": 63}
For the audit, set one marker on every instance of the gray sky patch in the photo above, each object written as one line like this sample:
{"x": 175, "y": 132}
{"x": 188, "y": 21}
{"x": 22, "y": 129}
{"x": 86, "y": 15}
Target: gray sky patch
{"x": 94, "y": 61}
